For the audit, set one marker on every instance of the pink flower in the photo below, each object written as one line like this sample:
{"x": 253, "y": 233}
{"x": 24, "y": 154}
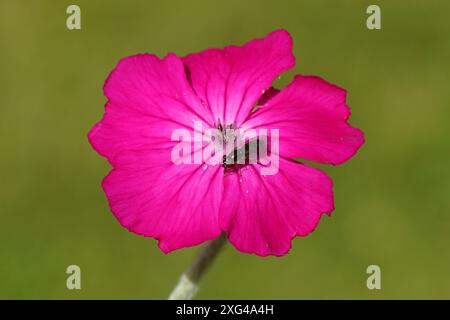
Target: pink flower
{"x": 185, "y": 205}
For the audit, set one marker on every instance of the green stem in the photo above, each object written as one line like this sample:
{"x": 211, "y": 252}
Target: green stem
{"x": 187, "y": 285}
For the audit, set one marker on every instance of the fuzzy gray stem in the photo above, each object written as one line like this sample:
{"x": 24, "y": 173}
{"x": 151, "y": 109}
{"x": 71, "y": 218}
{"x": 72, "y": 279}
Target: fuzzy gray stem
{"x": 187, "y": 286}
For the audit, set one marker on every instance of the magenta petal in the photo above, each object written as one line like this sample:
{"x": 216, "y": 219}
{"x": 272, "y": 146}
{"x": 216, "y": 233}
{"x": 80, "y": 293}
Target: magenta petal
{"x": 178, "y": 205}
{"x": 148, "y": 98}
{"x": 311, "y": 115}
{"x": 231, "y": 80}
{"x": 261, "y": 214}
{"x": 267, "y": 95}
{"x": 155, "y": 87}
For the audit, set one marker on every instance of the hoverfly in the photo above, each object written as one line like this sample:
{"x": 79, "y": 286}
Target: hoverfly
{"x": 246, "y": 154}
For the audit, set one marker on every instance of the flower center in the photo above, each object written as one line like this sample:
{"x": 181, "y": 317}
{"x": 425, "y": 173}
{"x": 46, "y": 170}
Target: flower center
{"x": 237, "y": 154}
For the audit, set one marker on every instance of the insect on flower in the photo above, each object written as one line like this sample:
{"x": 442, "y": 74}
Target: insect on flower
{"x": 184, "y": 205}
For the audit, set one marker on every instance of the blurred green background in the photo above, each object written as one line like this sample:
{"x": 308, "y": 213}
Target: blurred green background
{"x": 392, "y": 199}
